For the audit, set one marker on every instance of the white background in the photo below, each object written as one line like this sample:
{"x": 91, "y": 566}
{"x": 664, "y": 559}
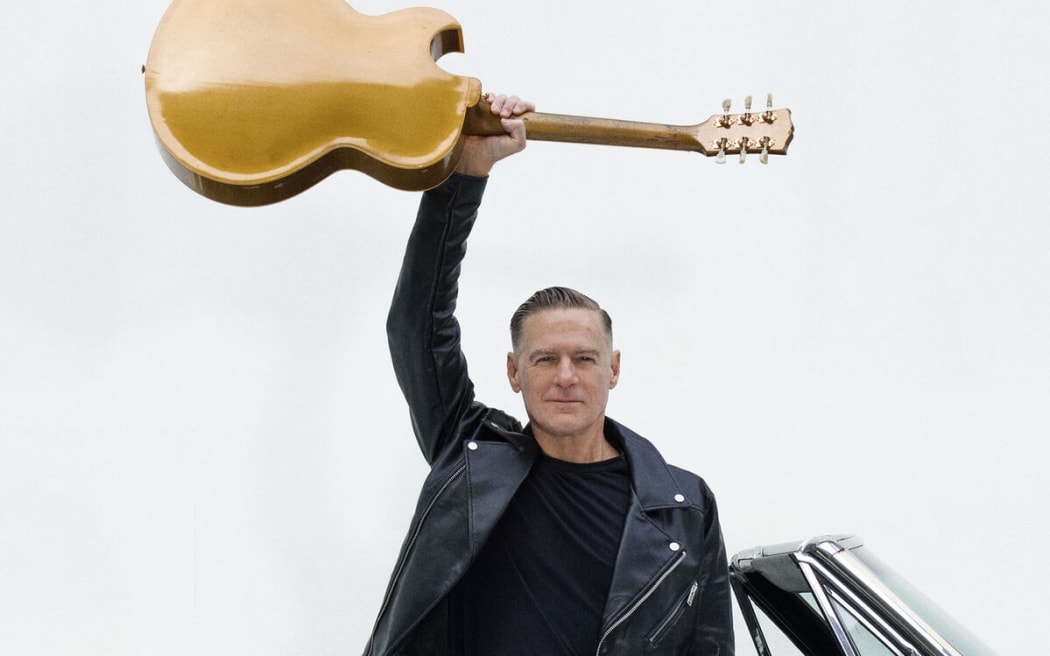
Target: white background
{"x": 202, "y": 447}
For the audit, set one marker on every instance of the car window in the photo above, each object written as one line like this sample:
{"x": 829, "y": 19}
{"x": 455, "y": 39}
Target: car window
{"x": 960, "y": 638}
{"x": 864, "y": 640}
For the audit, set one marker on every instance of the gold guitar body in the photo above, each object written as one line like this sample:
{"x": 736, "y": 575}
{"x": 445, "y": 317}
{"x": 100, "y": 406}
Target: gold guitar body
{"x": 253, "y": 101}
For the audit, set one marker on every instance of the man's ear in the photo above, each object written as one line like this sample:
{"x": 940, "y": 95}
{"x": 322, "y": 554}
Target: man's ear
{"x": 615, "y": 365}
{"x": 512, "y": 372}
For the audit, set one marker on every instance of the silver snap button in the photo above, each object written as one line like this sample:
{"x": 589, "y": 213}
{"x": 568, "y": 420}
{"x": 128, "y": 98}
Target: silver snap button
{"x": 675, "y": 546}
{"x": 473, "y": 446}
{"x": 680, "y": 498}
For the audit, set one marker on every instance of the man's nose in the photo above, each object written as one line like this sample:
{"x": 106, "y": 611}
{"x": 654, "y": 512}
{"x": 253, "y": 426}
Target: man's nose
{"x": 566, "y": 376}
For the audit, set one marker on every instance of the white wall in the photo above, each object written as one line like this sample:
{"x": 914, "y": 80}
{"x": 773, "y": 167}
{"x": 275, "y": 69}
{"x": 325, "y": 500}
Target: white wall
{"x": 202, "y": 448}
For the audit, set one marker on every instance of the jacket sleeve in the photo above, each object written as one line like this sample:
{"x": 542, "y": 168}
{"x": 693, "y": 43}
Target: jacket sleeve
{"x": 714, "y": 622}
{"x": 422, "y": 330}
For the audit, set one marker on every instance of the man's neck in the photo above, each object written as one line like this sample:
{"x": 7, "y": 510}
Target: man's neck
{"x": 578, "y": 449}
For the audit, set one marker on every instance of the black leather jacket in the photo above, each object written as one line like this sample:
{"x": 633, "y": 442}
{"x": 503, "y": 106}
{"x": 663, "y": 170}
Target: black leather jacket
{"x": 670, "y": 587}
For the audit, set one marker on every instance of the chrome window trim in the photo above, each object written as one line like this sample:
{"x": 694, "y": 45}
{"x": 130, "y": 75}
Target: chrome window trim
{"x": 931, "y": 640}
{"x": 888, "y": 635}
{"x": 863, "y": 615}
{"x": 832, "y": 618}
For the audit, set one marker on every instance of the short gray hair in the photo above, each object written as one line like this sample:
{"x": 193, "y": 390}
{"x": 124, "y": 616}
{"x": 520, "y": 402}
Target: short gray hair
{"x": 555, "y": 298}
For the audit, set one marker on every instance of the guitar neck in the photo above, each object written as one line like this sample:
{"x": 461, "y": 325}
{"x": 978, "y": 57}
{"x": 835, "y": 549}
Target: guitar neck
{"x": 728, "y": 133}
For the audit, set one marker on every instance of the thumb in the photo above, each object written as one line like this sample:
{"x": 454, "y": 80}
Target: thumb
{"x": 515, "y": 129}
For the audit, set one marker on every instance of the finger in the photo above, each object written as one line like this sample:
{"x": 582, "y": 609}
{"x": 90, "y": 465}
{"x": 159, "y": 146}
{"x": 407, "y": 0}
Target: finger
{"x": 516, "y": 106}
{"x": 497, "y": 104}
{"x": 515, "y": 129}
{"x": 509, "y": 105}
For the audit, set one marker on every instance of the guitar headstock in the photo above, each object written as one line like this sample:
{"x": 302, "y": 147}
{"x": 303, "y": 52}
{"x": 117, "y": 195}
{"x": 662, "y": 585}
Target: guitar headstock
{"x": 764, "y": 132}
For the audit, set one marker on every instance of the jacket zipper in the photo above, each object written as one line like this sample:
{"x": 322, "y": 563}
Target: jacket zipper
{"x": 685, "y": 601}
{"x": 411, "y": 543}
{"x": 648, "y": 593}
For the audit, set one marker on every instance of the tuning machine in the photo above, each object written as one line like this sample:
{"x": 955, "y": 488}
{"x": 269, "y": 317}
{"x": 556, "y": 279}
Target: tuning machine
{"x": 727, "y": 120}
{"x": 749, "y": 123}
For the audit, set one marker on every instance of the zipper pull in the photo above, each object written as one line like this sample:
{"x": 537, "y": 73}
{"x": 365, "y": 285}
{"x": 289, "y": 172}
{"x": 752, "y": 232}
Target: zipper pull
{"x": 692, "y": 594}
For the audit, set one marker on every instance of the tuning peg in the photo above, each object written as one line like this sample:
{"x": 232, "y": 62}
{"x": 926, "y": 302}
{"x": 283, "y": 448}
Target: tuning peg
{"x": 721, "y": 157}
{"x": 764, "y": 156}
{"x": 743, "y": 149}
{"x": 726, "y": 121}
{"x": 746, "y": 118}
{"x": 768, "y": 116}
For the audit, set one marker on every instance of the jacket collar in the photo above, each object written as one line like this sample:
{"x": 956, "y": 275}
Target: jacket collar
{"x": 651, "y": 477}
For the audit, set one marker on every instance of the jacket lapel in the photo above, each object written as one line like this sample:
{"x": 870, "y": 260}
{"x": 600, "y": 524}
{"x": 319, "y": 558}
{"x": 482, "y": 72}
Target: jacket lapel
{"x": 648, "y": 548}
{"x": 495, "y": 470}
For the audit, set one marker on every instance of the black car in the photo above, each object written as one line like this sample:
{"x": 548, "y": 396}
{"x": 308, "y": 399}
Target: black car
{"x": 829, "y": 596}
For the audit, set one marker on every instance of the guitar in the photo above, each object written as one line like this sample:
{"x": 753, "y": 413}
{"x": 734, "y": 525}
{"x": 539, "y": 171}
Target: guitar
{"x": 254, "y": 101}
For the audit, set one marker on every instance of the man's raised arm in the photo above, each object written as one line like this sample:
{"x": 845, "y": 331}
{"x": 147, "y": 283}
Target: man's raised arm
{"x": 422, "y": 330}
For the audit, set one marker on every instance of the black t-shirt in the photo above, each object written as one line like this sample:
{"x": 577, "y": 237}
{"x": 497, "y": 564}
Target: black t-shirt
{"x": 539, "y": 585}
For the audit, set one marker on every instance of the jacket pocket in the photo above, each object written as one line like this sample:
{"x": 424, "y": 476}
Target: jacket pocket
{"x": 673, "y": 615}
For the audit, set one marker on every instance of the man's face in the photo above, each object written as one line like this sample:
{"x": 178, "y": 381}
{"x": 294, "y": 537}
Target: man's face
{"x": 564, "y": 368}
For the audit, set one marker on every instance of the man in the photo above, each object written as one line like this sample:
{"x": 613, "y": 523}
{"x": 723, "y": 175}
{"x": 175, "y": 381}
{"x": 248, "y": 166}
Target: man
{"x": 568, "y": 536}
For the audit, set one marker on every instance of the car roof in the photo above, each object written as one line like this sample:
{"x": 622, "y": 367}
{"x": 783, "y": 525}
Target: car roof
{"x": 776, "y": 562}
